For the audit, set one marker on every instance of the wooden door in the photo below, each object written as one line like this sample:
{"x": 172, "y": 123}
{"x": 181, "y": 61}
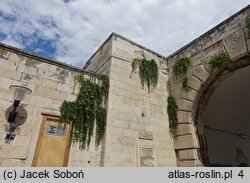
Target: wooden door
{"x": 53, "y": 144}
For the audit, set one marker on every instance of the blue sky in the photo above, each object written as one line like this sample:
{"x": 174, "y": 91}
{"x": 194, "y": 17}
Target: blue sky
{"x": 71, "y": 31}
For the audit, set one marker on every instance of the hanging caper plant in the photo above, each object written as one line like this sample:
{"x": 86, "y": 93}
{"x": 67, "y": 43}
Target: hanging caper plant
{"x": 172, "y": 114}
{"x": 219, "y": 60}
{"x": 180, "y": 70}
{"x": 135, "y": 63}
{"x": 148, "y": 71}
{"x": 87, "y": 110}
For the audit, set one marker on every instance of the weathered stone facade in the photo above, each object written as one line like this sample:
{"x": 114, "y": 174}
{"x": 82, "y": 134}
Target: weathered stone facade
{"x": 137, "y": 121}
{"x": 52, "y": 82}
{"x": 132, "y": 110}
{"x": 230, "y": 36}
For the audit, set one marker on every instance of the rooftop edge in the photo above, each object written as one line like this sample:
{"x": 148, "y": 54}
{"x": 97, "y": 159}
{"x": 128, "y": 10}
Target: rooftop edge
{"x": 40, "y": 58}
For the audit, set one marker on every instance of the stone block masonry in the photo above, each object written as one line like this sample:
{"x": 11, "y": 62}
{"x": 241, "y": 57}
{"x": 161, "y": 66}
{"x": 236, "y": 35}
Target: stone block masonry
{"x": 229, "y": 36}
{"x": 137, "y": 132}
{"x": 51, "y": 82}
{"x": 133, "y": 111}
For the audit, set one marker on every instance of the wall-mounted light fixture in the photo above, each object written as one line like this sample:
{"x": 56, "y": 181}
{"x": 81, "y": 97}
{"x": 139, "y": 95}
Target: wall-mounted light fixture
{"x": 20, "y": 92}
{"x": 14, "y": 118}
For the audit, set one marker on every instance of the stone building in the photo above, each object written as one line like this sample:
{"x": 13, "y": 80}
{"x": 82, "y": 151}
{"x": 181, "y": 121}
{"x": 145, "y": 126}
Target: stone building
{"x": 213, "y": 115}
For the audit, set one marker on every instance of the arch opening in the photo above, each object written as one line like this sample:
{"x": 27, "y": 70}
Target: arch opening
{"x": 223, "y": 117}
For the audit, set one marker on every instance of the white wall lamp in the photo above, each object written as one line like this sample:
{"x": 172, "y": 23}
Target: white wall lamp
{"x": 13, "y": 120}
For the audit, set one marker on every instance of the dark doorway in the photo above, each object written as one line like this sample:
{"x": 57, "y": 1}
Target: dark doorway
{"x": 226, "y": 121}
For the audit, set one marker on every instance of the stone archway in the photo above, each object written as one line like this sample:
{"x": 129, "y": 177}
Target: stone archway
{"x": 214, "y": 81}
{"x": 189, "y": 141}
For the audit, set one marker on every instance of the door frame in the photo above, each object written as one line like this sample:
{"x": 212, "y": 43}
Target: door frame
{"x": 45, "y": 118}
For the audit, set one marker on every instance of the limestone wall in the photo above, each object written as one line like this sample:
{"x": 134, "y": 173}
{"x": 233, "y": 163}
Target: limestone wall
{"x": 137, "y": 131}
{"x": 137, "y": 120}
{"x": 230, "y": 36}
{"x": 99, "y": 63}
{"x": 51, "y": 83}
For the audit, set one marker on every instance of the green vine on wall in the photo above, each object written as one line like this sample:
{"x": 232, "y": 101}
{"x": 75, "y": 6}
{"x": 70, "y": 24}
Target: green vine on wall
{"x": 135, "y": 63}
{"x": 172, "y": 114}
{"x": 180, "y": 70}
{"x": 219, "y": 60}
{"x": 87, "y": 110}
{"x": 148, "y": 71}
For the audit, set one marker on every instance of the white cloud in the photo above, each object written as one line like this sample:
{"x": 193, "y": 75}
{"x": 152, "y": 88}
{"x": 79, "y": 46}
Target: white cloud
{"x": 13, "y": 43}
{"x": 79, "y": 27}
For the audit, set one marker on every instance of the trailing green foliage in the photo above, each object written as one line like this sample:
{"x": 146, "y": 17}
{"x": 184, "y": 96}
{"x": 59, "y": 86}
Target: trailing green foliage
{"x": 148, "y": 72}
{"x": 136, "y": 62}
{"x": 247, "y": 21}
{"x": 180, "y": 70}
{"x": 219, "y": 60}
{"x": 172, "y": 114}
{"x": 185, "y": 84}
{"x": 87, "y": 110}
